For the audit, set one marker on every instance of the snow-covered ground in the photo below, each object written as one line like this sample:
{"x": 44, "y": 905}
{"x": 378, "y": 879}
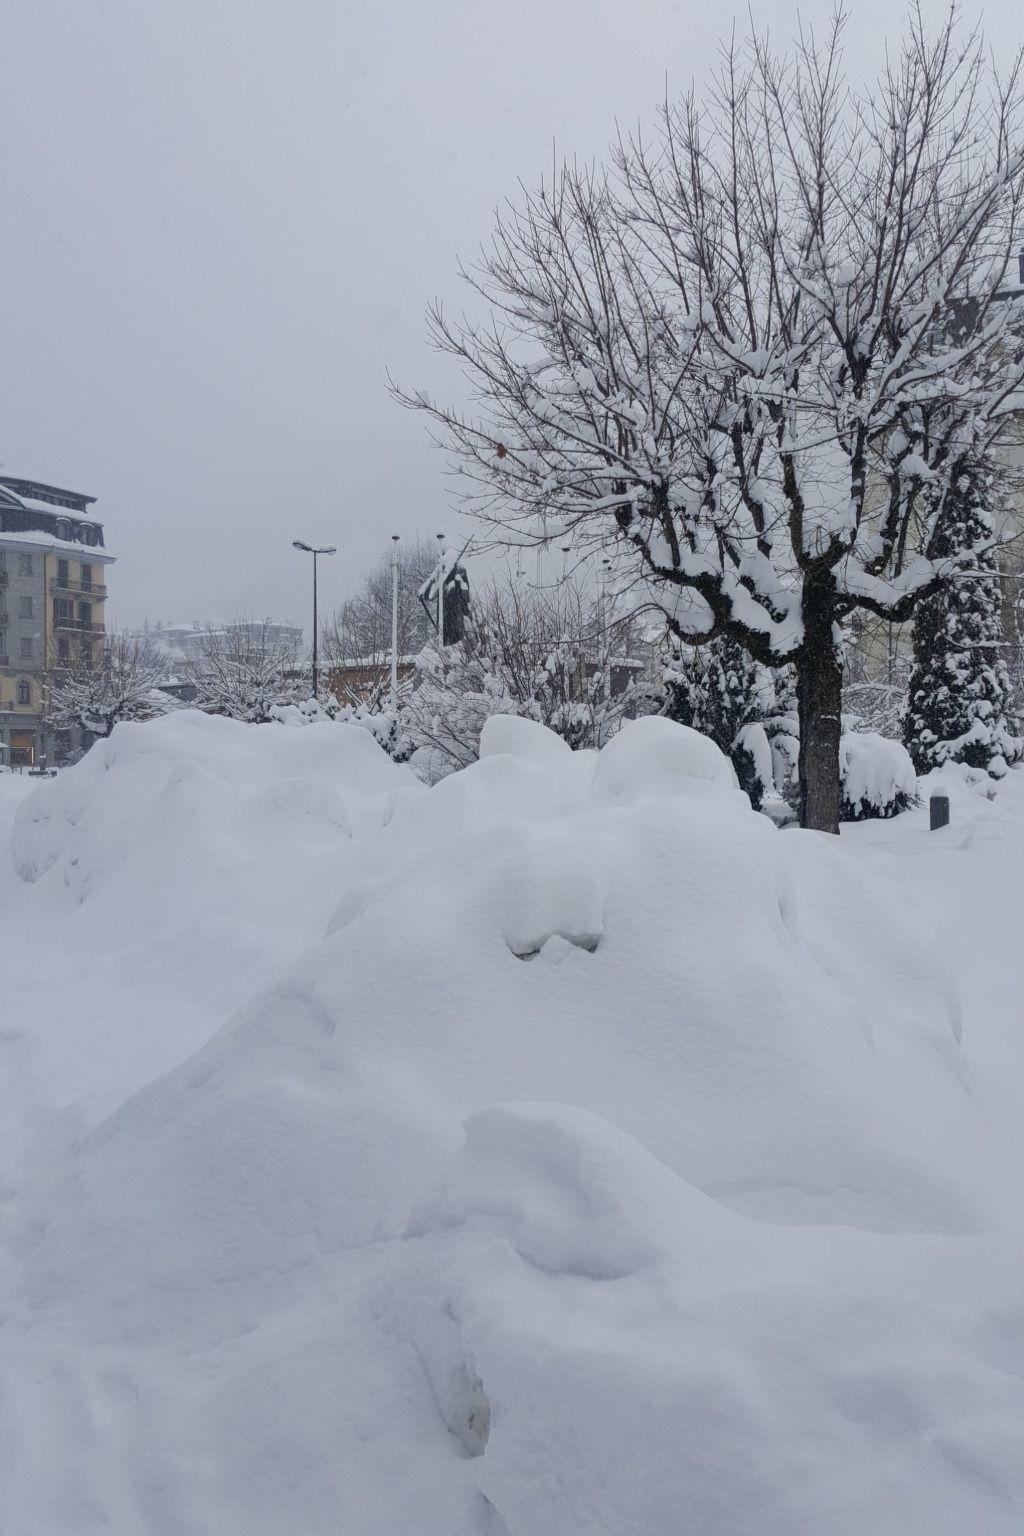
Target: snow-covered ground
{"x": 559, "y": 1151}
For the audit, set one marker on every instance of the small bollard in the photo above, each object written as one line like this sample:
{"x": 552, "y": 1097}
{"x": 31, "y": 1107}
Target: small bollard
{"x": 938, "y": 809}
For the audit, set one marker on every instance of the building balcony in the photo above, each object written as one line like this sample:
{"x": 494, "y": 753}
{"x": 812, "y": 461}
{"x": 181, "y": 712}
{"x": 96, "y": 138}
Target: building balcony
{"x": 79, "y": 626}
{"x": 94, "y": 589}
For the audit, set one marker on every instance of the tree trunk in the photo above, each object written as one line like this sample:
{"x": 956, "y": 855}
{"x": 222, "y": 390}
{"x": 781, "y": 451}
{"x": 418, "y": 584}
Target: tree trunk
{"x": 819, "y": 682}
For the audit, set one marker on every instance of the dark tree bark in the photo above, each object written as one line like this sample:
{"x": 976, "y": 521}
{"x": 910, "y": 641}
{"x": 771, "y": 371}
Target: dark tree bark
{"x": 820, "y": 702}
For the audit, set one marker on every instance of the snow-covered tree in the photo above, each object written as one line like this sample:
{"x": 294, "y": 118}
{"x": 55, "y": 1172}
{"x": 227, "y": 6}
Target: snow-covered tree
{"x": 551, "y": 654}
{"x": 960, "y": 686}
{"x": 244, "y": 670}
{"x": 360, "y": 630}
{"x": 719, "y": 690}
{"x": 733, "y": 364}
{"x": 94, "y": 693}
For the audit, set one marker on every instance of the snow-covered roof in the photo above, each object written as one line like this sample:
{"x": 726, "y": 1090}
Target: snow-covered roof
{"x": 34, "y": 505}
{"x": 36, "y": 539}
{"x": 22, "y": 485}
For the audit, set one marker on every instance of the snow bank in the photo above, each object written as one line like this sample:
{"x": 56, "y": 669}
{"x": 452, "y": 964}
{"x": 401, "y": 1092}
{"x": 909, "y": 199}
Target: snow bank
{"x": 199, "y": 856}
{"x": 610, "y": 1167}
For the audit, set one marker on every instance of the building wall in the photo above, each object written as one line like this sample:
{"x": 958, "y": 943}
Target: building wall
{"x": 22, "y": 602}
{"x": 30, "y": 647}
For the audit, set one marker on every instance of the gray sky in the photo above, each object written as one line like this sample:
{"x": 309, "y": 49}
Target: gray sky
{"x": 222, "y": 220}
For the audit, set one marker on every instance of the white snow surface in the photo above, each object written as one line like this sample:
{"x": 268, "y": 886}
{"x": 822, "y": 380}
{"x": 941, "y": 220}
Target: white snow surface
{"x": 561, "y": 1149}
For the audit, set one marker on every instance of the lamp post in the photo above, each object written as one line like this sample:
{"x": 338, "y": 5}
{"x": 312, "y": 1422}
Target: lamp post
{"x": 394, "y": 621}
{"x": 440, "y": 590}
{"x": 314, "y": 550}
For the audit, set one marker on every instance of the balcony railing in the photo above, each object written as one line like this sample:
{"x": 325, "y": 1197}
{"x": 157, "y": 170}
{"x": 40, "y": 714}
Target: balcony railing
{"x": 78, "y": 626}
{"x": 94, "y": 589}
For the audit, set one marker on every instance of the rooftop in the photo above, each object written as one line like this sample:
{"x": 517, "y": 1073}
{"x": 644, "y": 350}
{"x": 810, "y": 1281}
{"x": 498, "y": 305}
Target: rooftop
{"x": 51, "y": 495}
{"x": 33, "y": 512}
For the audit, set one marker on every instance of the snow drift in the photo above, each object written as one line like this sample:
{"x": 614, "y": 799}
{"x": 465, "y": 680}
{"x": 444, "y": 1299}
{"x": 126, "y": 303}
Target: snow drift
{"x": 611, "y": 1166}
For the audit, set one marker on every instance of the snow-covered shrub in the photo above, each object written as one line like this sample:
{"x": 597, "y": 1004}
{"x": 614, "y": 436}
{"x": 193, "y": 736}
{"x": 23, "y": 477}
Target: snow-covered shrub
{"x": 376, "y": 715}
{"x": 960, "y": 687}
{"x": 718, "y": 690}
{"x": 878, "y": 777}
{"x": 454, "y": 692}
{"x": 550, "y": 657}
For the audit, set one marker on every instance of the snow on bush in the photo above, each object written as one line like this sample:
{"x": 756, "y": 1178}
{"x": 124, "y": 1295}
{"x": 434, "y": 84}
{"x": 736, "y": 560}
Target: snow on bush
{"x": 878, "y": 777}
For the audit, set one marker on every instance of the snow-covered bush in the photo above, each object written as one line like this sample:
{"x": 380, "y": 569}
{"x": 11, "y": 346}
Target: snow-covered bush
{"x": 553, "y": 656}
{"x": 719, "y": 690}
{"x": 375, "y": 715}
{"x": 878, "y": 777}
{"x": 454, "y": 692}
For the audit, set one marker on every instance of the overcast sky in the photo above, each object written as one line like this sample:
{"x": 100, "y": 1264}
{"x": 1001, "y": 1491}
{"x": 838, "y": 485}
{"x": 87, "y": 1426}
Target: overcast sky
{"x": 222, "y": 220}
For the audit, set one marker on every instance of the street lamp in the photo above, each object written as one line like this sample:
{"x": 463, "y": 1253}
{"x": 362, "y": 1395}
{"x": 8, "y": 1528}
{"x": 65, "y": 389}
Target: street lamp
{"x": 394, "y": 621}
{"x": 314, "y": 550}
{"x": 440, "y": 590}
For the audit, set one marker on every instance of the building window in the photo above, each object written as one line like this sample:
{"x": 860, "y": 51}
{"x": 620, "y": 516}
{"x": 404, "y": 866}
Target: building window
{"x": 63, "y": 573}
{"x": 24, "y": 691}
{"x": 86, "y": 577}
{"x": 25, "y": 648}
{"x": 63, "y": 609}
{"x": 63, "y": 528}
{"x": 63, "y": 649}
{"x": 25, "y": 606}
{"x": 85, "y": 613}
{"x": 25, "y": 565}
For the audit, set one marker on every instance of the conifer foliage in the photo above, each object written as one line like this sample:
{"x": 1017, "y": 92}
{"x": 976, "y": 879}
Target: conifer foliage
{"x": 960, "y": 685}
{"x": 720, "y": 691}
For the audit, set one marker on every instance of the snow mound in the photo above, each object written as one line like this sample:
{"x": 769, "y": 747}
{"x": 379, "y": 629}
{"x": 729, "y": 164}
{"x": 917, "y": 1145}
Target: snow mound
{"x": 694, "y": 982}
{"x": 136, "y": 795}
{"x": 616, "y": 1349}
{"x": 655, "y": 756}
{"x": 514, "y": 736}
{"x": 573, "y": 1194}
{"x": 201, "y": 855}
{"x": 610, "y": 1166}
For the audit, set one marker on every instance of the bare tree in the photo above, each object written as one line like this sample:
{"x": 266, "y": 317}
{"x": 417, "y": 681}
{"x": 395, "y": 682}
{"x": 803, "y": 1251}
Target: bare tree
{"x": 736, "y": 361}
{"x": 360, "y": 630}
{"x": 243, "y": 670}
{"x": 95, "y": 694}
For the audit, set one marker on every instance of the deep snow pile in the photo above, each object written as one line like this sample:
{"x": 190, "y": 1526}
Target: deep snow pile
{"x": 617, "y": 1165}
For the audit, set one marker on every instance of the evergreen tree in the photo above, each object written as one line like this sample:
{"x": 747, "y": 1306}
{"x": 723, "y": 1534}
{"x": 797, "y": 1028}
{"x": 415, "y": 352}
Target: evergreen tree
{"x": 960, "y": 686}
{"x": 720, "y": 691}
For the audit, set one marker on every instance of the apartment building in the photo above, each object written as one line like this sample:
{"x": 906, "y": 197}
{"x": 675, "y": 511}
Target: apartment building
{"x": 52, "y": 598}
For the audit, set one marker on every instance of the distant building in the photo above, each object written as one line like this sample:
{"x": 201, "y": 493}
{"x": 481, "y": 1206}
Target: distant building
{"x": 187, "y": 642}
{"x": 52, "y": 599}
